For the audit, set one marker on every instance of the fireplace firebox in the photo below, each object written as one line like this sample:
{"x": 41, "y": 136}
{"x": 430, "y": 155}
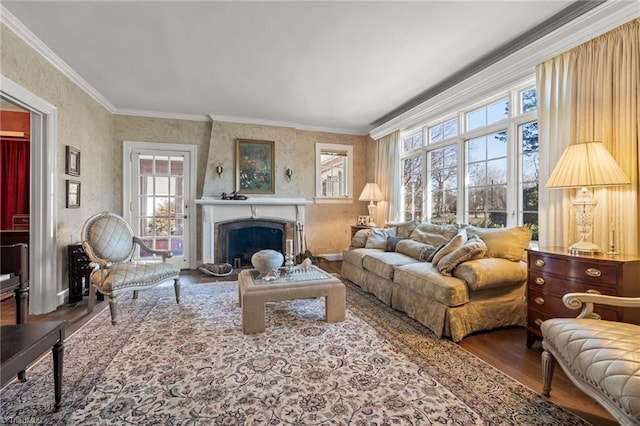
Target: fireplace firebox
{"x": 238, "y": 240}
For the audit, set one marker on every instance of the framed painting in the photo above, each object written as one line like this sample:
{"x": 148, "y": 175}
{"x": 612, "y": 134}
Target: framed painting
{"x": 73, "y": 194}
{"x": 255, "y": 166}
{"x": 72, "y": 161}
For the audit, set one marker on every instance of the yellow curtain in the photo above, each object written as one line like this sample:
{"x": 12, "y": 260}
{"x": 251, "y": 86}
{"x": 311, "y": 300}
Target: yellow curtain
{"x": 387, "y": 176}
{"x": 592, "y": 93}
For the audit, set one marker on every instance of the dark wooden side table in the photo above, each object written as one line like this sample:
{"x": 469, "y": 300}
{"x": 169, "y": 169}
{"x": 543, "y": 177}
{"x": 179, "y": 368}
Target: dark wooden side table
{"x": 21, "y": 344}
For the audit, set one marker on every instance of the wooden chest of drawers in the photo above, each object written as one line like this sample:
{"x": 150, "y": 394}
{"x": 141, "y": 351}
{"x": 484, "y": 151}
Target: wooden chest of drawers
{"x": 552, "y": 273}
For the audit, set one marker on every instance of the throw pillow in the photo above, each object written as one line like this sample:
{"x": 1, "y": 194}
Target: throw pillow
{"x": 419, "y": 251}
{"x": 359, "y": 240}
{"x": 507, "y": 243}
{"x": 457, "y": 241}
{"x": 405, "y": 229}
{"x": 378, "y": 237}
{"x": 392, "y": 242}
{"x": 436, "y": 251}
{"x": 435, "y": 235}
{"x": 473, "y": 248}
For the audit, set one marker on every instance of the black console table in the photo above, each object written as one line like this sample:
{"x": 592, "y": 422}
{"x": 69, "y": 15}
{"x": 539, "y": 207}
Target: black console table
{"x": 79, "y": 272}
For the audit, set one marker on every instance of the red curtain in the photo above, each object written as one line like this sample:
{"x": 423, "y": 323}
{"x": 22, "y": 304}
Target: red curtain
{"x": 14, "y": 179}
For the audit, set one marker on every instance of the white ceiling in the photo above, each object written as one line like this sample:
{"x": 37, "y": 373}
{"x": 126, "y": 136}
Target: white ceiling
{"x": 329, "y": 65}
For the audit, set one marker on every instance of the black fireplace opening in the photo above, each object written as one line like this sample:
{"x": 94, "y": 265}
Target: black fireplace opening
{"x": 239, "y": 240}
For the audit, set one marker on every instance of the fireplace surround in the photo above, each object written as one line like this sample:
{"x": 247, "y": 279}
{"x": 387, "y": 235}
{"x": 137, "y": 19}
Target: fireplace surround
{"x": 220, "y": 218}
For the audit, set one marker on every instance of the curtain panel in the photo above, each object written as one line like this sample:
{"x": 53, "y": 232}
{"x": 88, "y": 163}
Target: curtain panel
{"x": 387, "y": 176}
{"x": 592, "y": 93}
{"x": 14, "y": 180}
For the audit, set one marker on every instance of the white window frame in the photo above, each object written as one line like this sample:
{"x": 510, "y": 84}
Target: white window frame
{"x": 332, "y": 147}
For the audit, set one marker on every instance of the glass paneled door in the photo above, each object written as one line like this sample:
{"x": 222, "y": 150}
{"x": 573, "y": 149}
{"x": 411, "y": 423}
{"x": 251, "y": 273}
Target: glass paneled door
{"x": 159, "y": 202}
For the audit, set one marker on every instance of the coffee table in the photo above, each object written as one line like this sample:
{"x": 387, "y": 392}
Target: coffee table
{"x": 254, "y": 292}
{"x": 24, "y": 343}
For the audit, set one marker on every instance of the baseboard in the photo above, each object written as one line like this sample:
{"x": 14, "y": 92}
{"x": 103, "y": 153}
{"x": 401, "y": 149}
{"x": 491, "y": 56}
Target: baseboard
{"x": 63, "y": 296}
{"x": 332, "y": 256}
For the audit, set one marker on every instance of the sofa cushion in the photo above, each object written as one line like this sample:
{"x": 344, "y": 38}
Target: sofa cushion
{"x": 491, "y": 272}
{"x": 383, "y": 263}
{"x": 473, "y": 248}
{"x": 378, "y": 237}
{"x": 354, "y": 256}
{"x": 415, "y": 249}
{"x": 435, "y": 235}
{"x": 455, "y": 243}
{"x": 424, "y": 279}
{"x": 359, "y": 240}
{"x": 507, "y": 243}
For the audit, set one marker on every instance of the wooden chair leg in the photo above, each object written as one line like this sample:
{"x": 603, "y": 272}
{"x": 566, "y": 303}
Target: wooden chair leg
{"x": 176, "y": 287}
{"x": 92, "y": 298}
{"x": 548, "y": 365}
{"x": 113, "y": 307}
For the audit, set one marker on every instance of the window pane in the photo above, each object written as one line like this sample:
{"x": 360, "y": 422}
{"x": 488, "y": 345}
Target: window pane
{"x": 412, "y": 142}
{"x": 476, "y": 150}
{"x": 412, "y": 193}
{"x": 162, "y": 166}
{"x": 444, "y": 186}
{"x": 332, "y": 174}
{"x": 529, "y": 100}
{"x": 497, "y": 145}
{"x": 443, "y": 131}
{"x": 498, "y": 111}
{"x": 497, "y": 171}
{"x": 477, "y": 118}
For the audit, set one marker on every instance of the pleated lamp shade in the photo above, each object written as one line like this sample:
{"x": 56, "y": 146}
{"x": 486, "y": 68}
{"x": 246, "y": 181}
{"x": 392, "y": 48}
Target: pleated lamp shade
{"x": 586, "y": 164}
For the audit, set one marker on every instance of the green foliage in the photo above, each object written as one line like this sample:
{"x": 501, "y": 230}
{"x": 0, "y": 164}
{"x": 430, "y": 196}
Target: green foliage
{"x": 315, "y": 259}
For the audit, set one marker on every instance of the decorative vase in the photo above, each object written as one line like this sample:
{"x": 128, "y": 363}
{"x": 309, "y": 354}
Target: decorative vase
{"x": 267, "y": 260}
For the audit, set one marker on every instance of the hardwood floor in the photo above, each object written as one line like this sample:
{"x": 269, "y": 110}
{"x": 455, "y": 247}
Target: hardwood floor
{"x": 504, "y": 349}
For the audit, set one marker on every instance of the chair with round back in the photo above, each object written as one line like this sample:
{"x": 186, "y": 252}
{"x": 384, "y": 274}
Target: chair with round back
{"x": 109, "y": 243}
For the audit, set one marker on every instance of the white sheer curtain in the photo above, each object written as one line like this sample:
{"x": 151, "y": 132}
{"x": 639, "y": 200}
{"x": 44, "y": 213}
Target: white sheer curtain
{"x": 592, "y": 93}
{"x": 387, "y": 176}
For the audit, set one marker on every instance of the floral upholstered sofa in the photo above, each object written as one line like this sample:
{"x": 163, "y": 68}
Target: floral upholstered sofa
{"x": 454, "y": 279}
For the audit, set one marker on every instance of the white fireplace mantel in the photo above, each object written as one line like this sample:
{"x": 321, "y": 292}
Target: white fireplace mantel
{"x": 215, "y": 210}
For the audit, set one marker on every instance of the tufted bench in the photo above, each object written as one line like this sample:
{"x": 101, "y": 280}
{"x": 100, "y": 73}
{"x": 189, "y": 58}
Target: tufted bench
{"x": 602, "y": 358}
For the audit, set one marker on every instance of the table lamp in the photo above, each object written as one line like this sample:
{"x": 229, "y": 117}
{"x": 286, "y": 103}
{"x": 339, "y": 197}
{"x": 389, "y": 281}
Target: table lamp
{"x": 584, "y": 165}
{"x": 371, "y": 193}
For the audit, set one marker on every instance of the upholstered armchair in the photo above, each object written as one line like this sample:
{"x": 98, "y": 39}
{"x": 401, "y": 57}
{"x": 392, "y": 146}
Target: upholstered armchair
{"x": 109, "y": 243}
{"x": 600, "y": 357}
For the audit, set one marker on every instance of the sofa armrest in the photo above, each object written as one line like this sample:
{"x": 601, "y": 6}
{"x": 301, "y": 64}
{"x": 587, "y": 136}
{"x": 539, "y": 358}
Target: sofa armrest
{"x": 491, "y": 272}
{"x": 577, "y": 300}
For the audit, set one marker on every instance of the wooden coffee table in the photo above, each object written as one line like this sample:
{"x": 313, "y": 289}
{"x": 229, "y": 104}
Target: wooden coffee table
{"x": 253, "y": 293}
{"x": 24, "y": 343}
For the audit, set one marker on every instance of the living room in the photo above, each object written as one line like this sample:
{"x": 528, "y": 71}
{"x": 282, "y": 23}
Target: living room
{"x": 98, "y": 133}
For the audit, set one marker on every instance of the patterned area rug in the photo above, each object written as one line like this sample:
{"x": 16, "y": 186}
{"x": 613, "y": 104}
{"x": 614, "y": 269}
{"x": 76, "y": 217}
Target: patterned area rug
{"x": 190, "y": 364}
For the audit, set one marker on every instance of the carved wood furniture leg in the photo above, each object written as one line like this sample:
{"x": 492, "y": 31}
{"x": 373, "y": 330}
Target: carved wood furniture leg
{"x": 176, "y": 287}
{"x": 58, "y": 358}
{"x": 92, "y": 298}
{"x": 548, "y": 365}
{"x": 113, "y": 307}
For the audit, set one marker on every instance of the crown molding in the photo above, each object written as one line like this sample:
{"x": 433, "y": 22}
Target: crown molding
{"x": 296, "y": 126}
{"x": 518, "y": 66}
{"x": 36, "y": 44}
{"x": 159, "y": 114}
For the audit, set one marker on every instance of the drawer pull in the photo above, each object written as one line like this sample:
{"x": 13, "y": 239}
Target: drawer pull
{"x": 539, "y": 262}
{"x": 593, "y": 272}
{"x": 538, "y": 322}
{"x": 539, "y": 300}
{"x": 540, "y": 281}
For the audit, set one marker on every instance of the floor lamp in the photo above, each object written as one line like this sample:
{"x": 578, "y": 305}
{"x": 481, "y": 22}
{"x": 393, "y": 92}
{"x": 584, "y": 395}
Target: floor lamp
{"x": 583, "y": 165}
{"x": 371, "y": 193}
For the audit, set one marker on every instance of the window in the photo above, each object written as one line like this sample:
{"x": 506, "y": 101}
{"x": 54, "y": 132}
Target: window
{"x": 412, "y": 142}
{"x": 530, "y": 172}
{"x": 412, "y": 194}
{"x": 334, "y": 172}
{"x": 486, "y": 182}
{"x": 442, "y": 131}
{"x": 443, "y": 171}
{"x": 481, "y": 164}
{"x": 488, "y": 114}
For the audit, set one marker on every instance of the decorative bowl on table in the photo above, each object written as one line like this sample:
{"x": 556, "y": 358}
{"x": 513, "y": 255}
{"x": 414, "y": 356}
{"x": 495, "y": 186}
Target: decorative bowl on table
{"x": 266, "y": 261}
{"x": 216, "y": 269}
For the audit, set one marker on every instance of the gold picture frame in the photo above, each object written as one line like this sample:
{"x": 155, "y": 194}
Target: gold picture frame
{"x": 255, "y": 167}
